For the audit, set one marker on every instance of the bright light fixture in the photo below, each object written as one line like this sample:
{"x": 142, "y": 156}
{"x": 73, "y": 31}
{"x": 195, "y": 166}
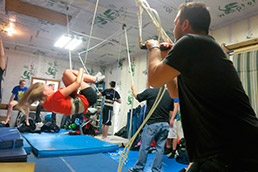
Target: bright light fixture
{"x": 10, "y": 30}
{"x": 68, "y": 42}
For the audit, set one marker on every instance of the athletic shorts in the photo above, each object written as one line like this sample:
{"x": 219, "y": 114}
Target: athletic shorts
{"x": 90, "y": 95}
{"x": 107, "y": 115}
{"x": 172, "y": 131}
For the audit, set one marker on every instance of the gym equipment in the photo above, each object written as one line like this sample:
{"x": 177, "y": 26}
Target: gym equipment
{"x": 55, "y": 144}
{"x": 21, "y": 122}
{"x": 13, "y": 155}
{"x": 11, "y": 143}
{"x": 50, "y": 126}
{"x": 10, "y": 138}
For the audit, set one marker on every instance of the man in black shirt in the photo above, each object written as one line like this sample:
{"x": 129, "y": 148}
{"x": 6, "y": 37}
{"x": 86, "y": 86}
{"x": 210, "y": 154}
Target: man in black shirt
{"x": 157, "y": 127}
{"x": 110, "y": 96}
{"x": 216, "y": 113}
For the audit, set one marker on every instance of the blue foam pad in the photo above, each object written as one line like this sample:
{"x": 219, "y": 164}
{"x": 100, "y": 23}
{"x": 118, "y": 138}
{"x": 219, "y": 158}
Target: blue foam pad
{"x": 13, "y": 155}
{"x": 27, "y": 146}
{"x": 79, "y": 163}
{"x": 50, "y": 144}
{"x": 10, "y": 138}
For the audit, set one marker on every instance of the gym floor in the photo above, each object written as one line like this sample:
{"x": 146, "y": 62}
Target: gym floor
{"x": 100, "y": 162}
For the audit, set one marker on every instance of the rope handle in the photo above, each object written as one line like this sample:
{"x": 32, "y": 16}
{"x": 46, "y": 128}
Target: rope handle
{"x": 162, "y": 47}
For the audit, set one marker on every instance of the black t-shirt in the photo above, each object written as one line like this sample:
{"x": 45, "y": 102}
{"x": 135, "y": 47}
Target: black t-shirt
{"x": 161, "y": 113}
{"x": 216, "y": 113}
{"x": 110, "y": 95}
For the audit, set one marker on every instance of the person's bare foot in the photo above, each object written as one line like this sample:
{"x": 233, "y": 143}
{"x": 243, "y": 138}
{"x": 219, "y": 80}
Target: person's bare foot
{"x": 6, "y": 121}
{"x": 27, "y": 123}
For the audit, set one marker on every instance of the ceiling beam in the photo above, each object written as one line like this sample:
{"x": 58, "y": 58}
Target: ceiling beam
{"x": 36, "y": 11}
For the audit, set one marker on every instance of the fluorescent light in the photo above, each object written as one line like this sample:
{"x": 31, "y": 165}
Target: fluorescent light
{"x": 73, "y": 44}
{"x": 67, "y": 42}
{"x": 61, "y": 42}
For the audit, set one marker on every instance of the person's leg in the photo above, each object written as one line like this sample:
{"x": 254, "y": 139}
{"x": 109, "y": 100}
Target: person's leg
{"x": 69, "y": 76}
{"x": 10, "y": 109}
{"x": 160, "y": 141}
{"x": 174, "y": 146}
{"x": 106, "y": 122}
{"x": 173, "y": 135}
{"x": 105, "y": 131}
{"x": 38, "y": 110}
{"x": 168, "y": 146}
{"x": 147, "y": 137}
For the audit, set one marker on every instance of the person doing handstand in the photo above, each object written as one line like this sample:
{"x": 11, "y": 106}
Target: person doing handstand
{"x": 64, "y": 100}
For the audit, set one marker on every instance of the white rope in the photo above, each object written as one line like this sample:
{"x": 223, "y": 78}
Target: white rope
{"x": 87, "y": 50}
{"x": 68, "y": 32}
{"x": 129, "y": 144}
{"x": 128, "y": 54}
{"x": 86, "y": 70}
{"x": 131, "y": 72}
{"x": 156, "y": 21}
{"x": 140, "y": 24}
{"x": 119, "y": 51}
{"x": 92, "y": 24}
{"x": 154, "y": 16}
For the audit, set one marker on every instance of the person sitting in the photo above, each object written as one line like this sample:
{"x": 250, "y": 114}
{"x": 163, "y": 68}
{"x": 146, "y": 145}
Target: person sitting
{"x": 64, "y": 100}
{"x": 17, "y": 93}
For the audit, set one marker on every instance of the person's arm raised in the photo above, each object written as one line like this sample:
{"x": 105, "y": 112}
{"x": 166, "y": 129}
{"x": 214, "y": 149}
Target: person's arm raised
{"x": 159, "y": 73}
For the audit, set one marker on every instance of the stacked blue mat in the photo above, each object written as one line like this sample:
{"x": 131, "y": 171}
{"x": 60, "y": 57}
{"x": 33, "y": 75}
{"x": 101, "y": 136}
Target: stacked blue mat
{"x": 11, "y": 146}
{"x": 57, "y": 144}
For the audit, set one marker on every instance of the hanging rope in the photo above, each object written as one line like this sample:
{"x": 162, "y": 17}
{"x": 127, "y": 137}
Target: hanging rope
{"x": 142, "y": 4}
{"x": 86, "y": 70}
{"x": 131, "y": 72}
{"x": 81, "y": 79}
{"x": 68, "y": 32}
{"x": 154, "y": 16}
{"x": 87, "y": 50}
{"x": 91, "y": 29}
{"x": 129, "y": 144}
{"x": 128, "y": 53}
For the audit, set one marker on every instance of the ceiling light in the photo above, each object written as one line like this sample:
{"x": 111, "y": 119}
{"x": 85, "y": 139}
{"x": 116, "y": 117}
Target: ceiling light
{"x": 62, "y": 41}
{"x": 10, "y": 30}
{"x": 73, "y": 44}
{"x": 68, "y": 42}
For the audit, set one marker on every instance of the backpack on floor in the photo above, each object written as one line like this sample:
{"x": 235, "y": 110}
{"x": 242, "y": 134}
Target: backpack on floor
{"x": 182, "y": 156}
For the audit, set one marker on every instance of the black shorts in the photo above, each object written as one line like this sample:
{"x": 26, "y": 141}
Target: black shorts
{"x": 107, "y": 115}
{"x": 90, "y": 95}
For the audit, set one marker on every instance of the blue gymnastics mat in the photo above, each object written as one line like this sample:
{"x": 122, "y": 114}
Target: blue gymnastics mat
{"x": 10, "y": 138}
{"x": 13, "y": 155}
{"x": 79, "y": 163}
{"x": 26, "y": 146}
{"x": 56, "y": 144}
{"x": 168, "y": 165}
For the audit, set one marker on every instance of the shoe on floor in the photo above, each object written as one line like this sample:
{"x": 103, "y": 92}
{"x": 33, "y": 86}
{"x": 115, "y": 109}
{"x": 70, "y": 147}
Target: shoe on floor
{"x": 99, "y": 77}
{"x": 167, "y": 150}
{"x": 171, "y": 154}
{"x": 183, "y": 170}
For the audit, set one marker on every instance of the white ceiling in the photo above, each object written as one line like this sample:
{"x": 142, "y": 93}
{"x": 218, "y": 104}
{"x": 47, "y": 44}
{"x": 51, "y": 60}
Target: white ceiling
{"x": 38, "y": 36}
